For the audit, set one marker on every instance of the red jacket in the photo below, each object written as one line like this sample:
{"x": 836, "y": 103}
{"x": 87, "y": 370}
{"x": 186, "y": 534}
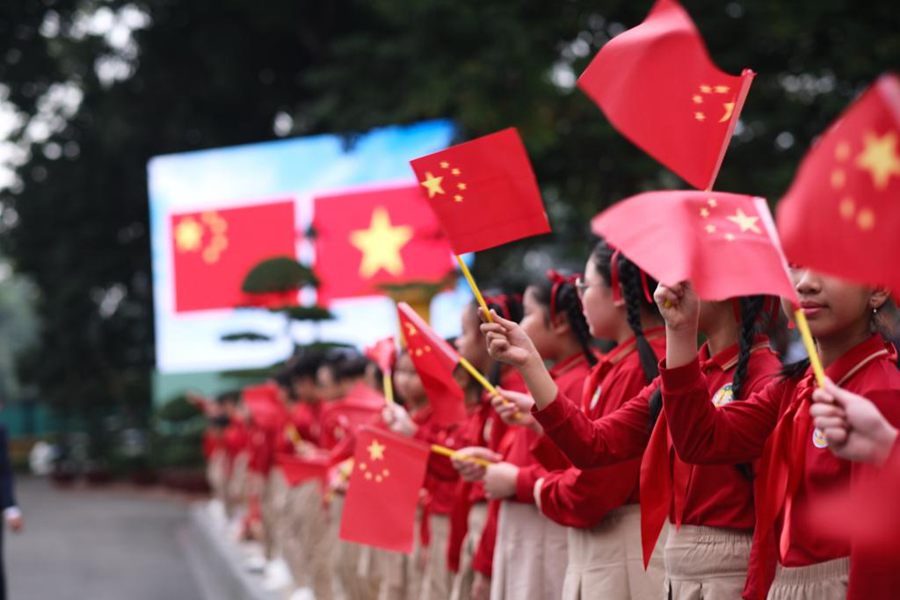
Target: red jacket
{"x": 795, "y": 468}
{"x": 582, "y": 498}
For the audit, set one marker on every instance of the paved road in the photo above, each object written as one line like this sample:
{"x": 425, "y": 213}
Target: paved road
{"x": 107, "y": 544}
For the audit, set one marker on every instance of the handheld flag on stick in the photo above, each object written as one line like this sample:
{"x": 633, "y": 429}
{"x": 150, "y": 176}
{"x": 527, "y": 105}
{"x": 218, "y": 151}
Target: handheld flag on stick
{"x": 484, "y": 194}
{"x": 451, "y": 453}
{"x": 840, "y": 215}
{"x": 383, "y": 492}
{"x": 708, "y": 237}
{"x": 658, "y": 87}
{"x": 384, "y": 353}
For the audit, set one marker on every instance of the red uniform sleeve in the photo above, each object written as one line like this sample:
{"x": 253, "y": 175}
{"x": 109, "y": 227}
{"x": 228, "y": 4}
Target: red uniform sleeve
{"x": 483, "y": 560}
{"x": 704, "y": 434}
{"x": 576, "y": 498}
{"x": 618, "y": 436}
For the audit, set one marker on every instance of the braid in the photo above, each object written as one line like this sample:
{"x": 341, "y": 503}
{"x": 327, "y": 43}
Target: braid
{"x": 750, "y": 309}
{"x": 632, "y": 293}
{"x": 567, "y": 300}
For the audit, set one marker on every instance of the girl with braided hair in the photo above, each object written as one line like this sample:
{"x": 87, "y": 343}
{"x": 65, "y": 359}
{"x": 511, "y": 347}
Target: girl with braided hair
{"x": 598, "y": 505}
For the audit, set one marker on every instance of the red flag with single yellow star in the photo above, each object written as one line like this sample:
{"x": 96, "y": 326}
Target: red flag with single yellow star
{"x": 483, "y": 192}
{"x": 373, "y": 237}
{"x": 214, "y": 250}
{"x": 434, "y": 360}
{"x": 841, "y": 214}
{"x": 383, "y": 491}
{"x": 724, "y": 244}
{"x": 658, "y": 86}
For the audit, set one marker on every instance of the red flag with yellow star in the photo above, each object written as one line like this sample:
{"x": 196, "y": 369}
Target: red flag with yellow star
{"x": 724, "y": 244}
{"x": 434, "y": 360}
{"x": 369, "y": 238}
{"x": 214, "y": 250}
{"x": 483, "y": 192}
{"x": 841, "y": 214}
{"x": 383, "y": 491}
{"x": 658, "y": 87}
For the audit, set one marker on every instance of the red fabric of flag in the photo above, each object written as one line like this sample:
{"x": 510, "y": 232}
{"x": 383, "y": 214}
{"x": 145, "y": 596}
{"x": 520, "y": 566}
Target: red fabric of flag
{"x": 724, "y": 244}
{"x": 298, "y": 469}
{"x": 214, "y": 250}
{"x": 383, "y": 491}
{"x": 264, "y": 406}
{"x": 483, "y": 192}
{"x": 659, "y": 88}
{"x": 841, "y": 214}
{"x": 369, "y": 238}
{"x": 434, "y": 360}
{"x": 383, "y": 353}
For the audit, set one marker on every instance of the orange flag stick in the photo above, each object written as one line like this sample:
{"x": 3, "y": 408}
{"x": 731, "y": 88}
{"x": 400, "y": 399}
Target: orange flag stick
{"x": 451, "y": 453}
{"x": 468, "y": 275}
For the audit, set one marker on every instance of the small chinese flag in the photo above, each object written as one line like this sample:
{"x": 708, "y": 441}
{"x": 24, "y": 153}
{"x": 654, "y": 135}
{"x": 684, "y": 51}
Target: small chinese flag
{"x": 297, "y": 469}
{"x": 369, "y": 238}
{"x": 383, "y": 353}
{"x": 214, "y": 250}
{"x": 434, "y": 360}
{"x": 658, "y": 87}
{"x": 383, "y": 492}
{"x": 483, "y": 192}
{"x": 724, "y": 244}
{"x": 841, "y": 214}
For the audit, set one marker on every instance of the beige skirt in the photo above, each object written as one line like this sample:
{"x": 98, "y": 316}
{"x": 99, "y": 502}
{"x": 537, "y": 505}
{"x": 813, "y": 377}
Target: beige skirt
{"x": 822, "y": 581}
{"x": 706, "y": 563}
{"x": 217, "y": 475}
{"x": 605, "y": 562}
{"x": 402, "y": 574}
{"x": 530, "y": 556}
{"x": 462, "y": 582}
{"x": 303, "y": 509}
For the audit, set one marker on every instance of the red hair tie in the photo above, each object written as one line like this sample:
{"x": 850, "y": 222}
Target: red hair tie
{"x": 558, "y": 281}
{"x": 500, "y": 302}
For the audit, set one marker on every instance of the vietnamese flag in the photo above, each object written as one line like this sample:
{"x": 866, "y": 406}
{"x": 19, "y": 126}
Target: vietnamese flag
{"x": 379, "y": 236}
{"x": 298, "y": 469}
{"x": 213, "y": 251}
{"x": 841, "y": 214}
{"x": 434, "y": 360}
{"x": 383, "y": 491}
{"x": 724, "y": 244}
{"x": 659, "y": 88}
{"x": 483, "y": 192}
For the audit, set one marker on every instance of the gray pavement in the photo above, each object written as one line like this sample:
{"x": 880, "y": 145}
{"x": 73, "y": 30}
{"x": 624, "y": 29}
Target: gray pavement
{"x": 103, "y": 544}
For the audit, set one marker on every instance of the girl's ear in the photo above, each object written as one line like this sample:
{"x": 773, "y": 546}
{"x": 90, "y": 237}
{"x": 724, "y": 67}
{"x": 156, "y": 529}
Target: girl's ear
{"x": 878, "y": 297}
{"x": 560, "y": 324}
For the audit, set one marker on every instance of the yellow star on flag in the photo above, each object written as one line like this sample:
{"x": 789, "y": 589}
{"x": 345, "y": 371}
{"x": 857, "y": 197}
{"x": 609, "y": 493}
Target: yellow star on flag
{"x": 433, "y": 184}
{"x": 744, "y": 221}
{"x": 376, "y": 450}
{"x": 188, "y": 234}
{"x": 381, "y": 244}
{"x": 879, "y": 157}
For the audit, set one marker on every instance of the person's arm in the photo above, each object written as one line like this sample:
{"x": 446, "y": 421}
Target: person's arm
{"x": 576, "y": 498}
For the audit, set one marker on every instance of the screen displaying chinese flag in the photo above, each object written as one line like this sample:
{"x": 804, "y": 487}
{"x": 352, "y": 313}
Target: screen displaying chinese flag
{"x": 213, "y": 250}
{"x": 373, "y": 237}
{"x": 484, "y": 191}
{"x": 383, "y": 493}
{"x": 658, "y": 87}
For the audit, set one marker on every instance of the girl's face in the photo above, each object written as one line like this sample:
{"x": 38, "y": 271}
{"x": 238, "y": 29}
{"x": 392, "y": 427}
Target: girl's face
{"x": 470, "y": 343}
{"x": 603, "y": 315}
{"x": 407, "y": 381}
{"x": 536, "y": 324}
{"x": 834, "y": 306}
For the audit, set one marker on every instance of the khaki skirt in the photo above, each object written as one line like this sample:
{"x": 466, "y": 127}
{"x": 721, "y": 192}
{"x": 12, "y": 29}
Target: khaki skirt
{"x": 706, "y": 563}
{"x": 822, "y": 581}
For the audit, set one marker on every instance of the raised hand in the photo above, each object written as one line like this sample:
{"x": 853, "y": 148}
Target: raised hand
{"x": 470, "y": 470}
{"x": 508, "y": 343}
{"x": 515, "y": 409}
{"x": 678, "y": 305}
{"x": 398, "y": 420}
{"x": 852, "y": 425}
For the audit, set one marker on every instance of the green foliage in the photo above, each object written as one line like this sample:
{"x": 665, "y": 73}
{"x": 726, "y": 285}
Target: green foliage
{"x": 280, "y": 274}
{"x": 210, "y": 73}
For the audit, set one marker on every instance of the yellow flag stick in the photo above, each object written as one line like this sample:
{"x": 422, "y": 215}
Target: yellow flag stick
{"x": 478, "y": 376}
{"x": 388, "y": 387}
{"x": 451, "y": 453}
{"x": 294, "y": 436}
{"x": 810, "y": 345}
{"x": 468, "y": 275}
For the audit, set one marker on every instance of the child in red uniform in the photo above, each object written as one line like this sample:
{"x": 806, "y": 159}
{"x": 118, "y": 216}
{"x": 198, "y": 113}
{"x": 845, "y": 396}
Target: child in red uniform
{"x": 795, "y": 468}
{"x": 706, "y": 555}
{"x": 600, "y": 505}
{"x": 530, "y": 556}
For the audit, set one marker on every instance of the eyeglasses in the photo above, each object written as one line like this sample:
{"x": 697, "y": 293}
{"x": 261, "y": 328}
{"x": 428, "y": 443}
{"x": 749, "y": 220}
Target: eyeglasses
{"x": 581, "y": 287}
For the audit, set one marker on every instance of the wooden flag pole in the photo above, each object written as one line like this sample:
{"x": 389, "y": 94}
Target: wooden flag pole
{"x": 478, "y": 377}
{"x": 468, "y": 275}
{"x": 810, "y": 345}
{"x": 451, "y": 453}
{"x": 388, "y": 386}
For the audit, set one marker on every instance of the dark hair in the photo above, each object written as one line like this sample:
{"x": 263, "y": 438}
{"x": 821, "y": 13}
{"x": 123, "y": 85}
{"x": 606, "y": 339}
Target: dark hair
{"x": 345, "y": 363}
{"x": 306, "y": 363}
{"x": 632, "y": 284}
{"x": 563, "y": 295}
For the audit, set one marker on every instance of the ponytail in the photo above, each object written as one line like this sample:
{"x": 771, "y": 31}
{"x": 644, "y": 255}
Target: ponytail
{"x": 559, "y": 295}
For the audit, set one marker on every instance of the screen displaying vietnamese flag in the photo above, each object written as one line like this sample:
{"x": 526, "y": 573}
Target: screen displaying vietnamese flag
{"x": 213, "y": 250}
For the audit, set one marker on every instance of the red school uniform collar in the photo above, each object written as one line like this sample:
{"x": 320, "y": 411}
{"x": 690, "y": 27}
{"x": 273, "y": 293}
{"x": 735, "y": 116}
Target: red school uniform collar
{"x": 567, "y": 364}
{"x": 858, "y": 356}
{"x": 727, "y": 359}
{"x": 621, "y": 351}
